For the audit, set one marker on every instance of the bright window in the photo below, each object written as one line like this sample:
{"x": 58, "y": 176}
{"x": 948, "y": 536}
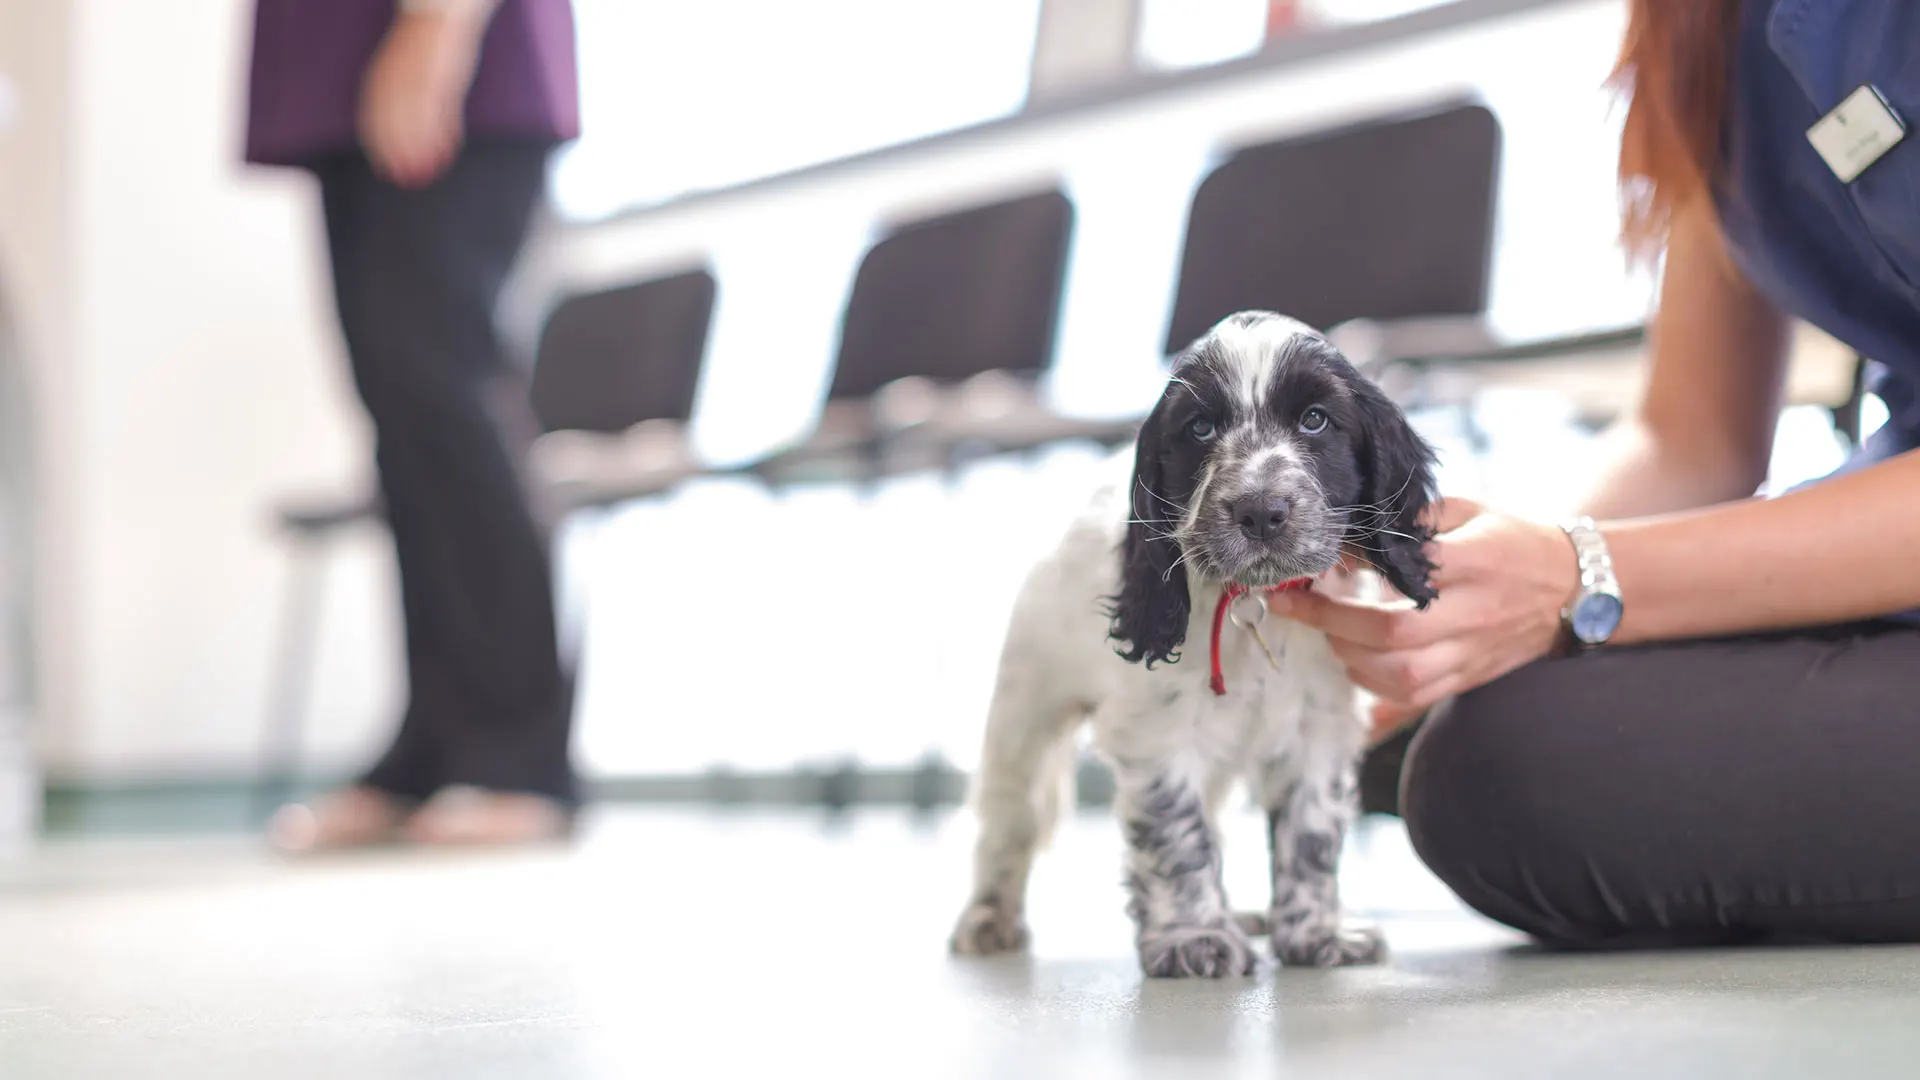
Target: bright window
{"x": 680, "y": 97}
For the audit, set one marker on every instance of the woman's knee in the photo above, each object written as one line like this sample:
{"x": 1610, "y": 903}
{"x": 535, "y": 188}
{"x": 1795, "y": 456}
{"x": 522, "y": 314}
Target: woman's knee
{"x": 1459, "y": 772}
{"x": 1481, "y": 795}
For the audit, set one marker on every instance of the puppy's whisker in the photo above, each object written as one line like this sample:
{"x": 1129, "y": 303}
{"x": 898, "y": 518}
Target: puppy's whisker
{"x": 1191, "y": 517}
{"x": 1157, "y": 528}
{"x": 1357, "y": 516}
{"x": 1379, "y": 510}
{"x": 1390, "y": 532}
{"x": 1319, "y": 486}
{"x": 1177, "y": 564}
{"x": 1401, "y": 490}
{"x": 1169, "y": 503}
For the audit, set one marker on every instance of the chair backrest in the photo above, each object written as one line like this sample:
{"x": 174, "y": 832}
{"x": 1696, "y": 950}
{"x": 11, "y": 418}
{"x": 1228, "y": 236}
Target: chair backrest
{"x": 950, "y": 297}
{"x": 609, "y": 360}
{"x": 1391, "y": 218}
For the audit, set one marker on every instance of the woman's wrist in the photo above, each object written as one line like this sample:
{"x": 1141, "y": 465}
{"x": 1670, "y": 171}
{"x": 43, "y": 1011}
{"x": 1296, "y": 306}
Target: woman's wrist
{"x": 1642, "y": 551}
{"x": 1836, "y": 552}
{"x": 1559, "y": 579}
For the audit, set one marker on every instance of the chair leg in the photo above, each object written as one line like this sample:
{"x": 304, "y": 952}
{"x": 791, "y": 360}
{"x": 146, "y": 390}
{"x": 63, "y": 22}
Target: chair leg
{"x": 573, "y": 599}
{"x": 292, "y": 677}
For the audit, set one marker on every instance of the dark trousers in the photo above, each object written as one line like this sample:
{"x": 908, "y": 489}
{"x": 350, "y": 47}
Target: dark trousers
{"x": 1692, "y": 794}
{"x": 417, "y": 276}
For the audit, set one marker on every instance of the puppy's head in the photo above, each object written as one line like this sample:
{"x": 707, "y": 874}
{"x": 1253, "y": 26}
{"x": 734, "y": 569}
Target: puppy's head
{"x": 1267, "y": 456}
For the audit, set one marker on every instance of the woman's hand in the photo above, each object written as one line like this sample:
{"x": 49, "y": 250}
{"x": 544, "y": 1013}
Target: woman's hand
{"x": 413, "y": 99}
{"x": 1502, "y": 582}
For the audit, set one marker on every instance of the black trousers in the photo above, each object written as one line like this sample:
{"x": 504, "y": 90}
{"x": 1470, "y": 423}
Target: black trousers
{"x": 1695, "y": 794}
{"x": 417, "y": 276}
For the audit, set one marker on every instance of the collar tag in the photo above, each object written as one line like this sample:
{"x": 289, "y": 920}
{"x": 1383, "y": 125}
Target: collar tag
{"x": 1858, "y": 132}
{"x": 1223, "y": 612}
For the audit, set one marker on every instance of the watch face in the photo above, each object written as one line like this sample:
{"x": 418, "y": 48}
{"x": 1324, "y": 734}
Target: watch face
{"x": 1595, "y": 617}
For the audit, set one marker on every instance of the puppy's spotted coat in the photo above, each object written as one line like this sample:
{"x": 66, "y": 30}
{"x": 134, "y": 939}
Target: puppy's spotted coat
{"x": 1267, "y": 456}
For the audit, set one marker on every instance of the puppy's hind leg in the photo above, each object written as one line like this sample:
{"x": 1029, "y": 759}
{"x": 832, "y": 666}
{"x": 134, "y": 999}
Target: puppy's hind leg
{"x": 1023, "y": 780}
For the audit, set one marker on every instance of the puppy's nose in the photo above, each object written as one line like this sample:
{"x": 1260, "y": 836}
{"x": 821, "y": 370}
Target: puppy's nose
{"x": 1261, "y": 516}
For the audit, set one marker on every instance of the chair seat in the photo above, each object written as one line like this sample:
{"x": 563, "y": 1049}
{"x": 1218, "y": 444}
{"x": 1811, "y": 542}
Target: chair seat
{"x": 856, "y": 438}
{"x": 584, "y": 469}
{"x": 913, "y": 425}
{"x": 1004, "y": 412}
{"x": 1372, "y": 343}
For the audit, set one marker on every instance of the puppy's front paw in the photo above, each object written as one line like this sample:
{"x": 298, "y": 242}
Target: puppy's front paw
{"x": 1197, "y": 952}
{"x": 1348, "y": 944}
{"x": 987, "y": 928}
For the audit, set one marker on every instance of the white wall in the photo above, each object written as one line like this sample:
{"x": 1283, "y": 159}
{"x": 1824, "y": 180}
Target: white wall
{"x": 35, "y": 269}
{"x": 187, "y": 373}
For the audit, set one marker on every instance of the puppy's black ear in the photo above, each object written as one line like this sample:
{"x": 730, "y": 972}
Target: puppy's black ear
{"x": 1391, "y": 528}
{"x": 1149, "y": 617}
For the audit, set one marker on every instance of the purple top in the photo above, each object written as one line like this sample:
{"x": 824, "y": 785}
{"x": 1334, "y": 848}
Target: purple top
{"x": 309, "y": 55}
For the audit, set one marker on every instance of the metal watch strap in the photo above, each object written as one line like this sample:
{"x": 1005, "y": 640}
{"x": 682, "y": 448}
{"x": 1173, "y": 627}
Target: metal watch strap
{"x": 1595, "y": 563}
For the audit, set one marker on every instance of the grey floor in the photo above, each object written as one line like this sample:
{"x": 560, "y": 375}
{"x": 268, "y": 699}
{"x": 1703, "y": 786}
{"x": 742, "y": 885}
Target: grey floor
{"x": 692, "y": 945}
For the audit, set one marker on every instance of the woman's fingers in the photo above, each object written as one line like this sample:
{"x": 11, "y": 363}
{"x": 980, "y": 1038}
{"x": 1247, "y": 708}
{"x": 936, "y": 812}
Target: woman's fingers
{"x": 1375, "y": 626}
{"x": 1342, "y": 620}
{"x": 1412, "y": 678}
{"x": 1467, "y": 554}
{"x": 414, "y": 95}
{"x": 409, "y": 145}
{"x": 1447, "y": 515}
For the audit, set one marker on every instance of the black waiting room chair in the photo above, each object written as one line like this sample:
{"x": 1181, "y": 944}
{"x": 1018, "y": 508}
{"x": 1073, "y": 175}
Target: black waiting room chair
{"x": 615, "y": 382}
{"x": 1388, "y": 220}
{"x": 946, "y": 334}
{"x": 1378, "y": 233}
{"x": 1384, "y": 227}
{"x": 1381, "y": 234}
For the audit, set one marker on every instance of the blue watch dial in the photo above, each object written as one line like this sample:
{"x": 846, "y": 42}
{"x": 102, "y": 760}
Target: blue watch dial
{"x": 1595, "y": 617}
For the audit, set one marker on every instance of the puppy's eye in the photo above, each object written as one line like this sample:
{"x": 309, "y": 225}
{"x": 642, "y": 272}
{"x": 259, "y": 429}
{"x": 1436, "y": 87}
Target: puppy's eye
{"x": 1314, "y": 420}
{"x": 1201, "y": 429}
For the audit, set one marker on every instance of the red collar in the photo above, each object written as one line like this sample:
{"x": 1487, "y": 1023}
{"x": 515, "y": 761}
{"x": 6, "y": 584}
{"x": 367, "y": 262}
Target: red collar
{"x": 1232, "y": 592}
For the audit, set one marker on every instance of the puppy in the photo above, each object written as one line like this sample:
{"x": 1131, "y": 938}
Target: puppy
{"x": 1267, "y": 457}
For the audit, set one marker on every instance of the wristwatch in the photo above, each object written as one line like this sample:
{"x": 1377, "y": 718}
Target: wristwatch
{"x": 1594, "y": 612}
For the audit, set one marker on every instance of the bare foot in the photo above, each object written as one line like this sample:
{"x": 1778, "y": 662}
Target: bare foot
{"x": 349, "y": 818}
{"x": 474, "y": 816}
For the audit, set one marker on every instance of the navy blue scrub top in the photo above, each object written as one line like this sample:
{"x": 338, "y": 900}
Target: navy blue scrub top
{"x": 1844, "y": 257}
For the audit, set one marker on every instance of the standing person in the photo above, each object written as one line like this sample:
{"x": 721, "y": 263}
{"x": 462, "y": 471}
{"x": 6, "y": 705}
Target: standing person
{"x": 428, "y": 125}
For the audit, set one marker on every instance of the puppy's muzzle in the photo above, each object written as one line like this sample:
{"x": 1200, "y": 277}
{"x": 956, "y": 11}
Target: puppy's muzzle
{"x": 1261, "y": 515}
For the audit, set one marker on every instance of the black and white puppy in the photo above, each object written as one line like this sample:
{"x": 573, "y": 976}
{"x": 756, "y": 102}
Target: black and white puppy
{"x": 1266, "y": 458}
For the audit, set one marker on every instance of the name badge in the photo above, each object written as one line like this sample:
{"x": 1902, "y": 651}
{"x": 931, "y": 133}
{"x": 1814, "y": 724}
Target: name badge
{"x": 1858, "y": 132}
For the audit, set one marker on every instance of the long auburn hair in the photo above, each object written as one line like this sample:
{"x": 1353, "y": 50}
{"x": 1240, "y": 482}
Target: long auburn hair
{"x": 1675, "y": 68}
